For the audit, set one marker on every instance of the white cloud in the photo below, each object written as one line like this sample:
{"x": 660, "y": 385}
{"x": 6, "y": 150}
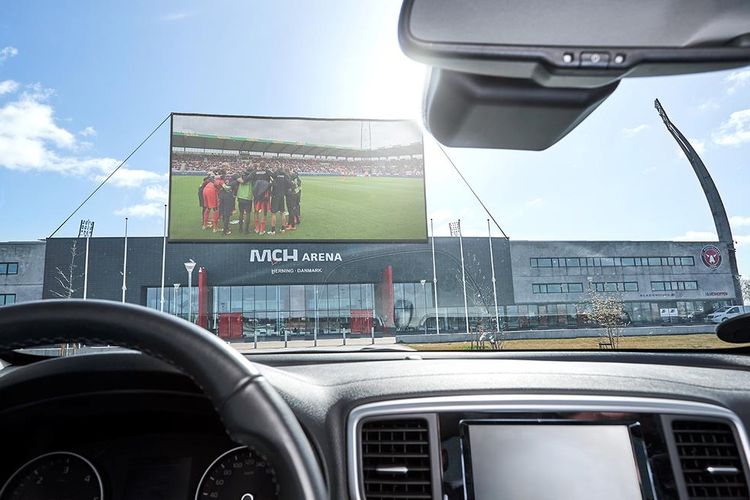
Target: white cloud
{"x": 739, "y": 220}
{"x": 698, "y": 145}
{"x": 157, "y": 192}
{"x": 7, "y": 52}
{"x": 29, "y": 135}
{"x": 31, "y": 140}
{"x": 632, "y": 131}
{"x": 131, "y": 178}
{"x": 709, "y": 105}
{"x": 696, "y": 236}
{"x": 742, "y": 240}
{"x": 152, "y": 205}
{"x": 142, "y": 210}
{"x": 8, "y": 87}
{"x": 177, "y": 16}
{"x": 37, "y": 92}
{"x": 737, "y": 79}
{"x": 734, "y": 131}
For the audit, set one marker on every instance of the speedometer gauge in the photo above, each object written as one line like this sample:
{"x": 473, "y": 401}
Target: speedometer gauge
{"x": 60, "y": 475}
{"x": 239, "y": 474}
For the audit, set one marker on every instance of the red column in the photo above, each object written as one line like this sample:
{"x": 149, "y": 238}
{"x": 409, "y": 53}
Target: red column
{"x": 384, "y": 304}
{"x": 202, "y": 297}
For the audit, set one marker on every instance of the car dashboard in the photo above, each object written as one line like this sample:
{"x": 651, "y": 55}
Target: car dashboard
{"x": 388, "y": 425}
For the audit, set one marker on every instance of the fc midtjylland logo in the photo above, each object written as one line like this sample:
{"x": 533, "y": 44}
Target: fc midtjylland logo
{"x": 711, "y": 256}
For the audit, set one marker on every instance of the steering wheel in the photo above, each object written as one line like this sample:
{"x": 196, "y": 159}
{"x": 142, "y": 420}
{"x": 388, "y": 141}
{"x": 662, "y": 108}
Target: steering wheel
{"x": 248, "y": 406}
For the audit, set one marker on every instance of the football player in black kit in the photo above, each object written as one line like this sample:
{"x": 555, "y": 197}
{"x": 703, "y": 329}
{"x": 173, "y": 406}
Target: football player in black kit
{"x": 279, "y": 184}
{"x": 261, "y": 181}
{"x": 293, "y": 196}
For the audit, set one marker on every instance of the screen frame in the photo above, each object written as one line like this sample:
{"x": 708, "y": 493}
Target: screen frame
{"x": 172, "y": 239}
{"x": 638, "y": 447}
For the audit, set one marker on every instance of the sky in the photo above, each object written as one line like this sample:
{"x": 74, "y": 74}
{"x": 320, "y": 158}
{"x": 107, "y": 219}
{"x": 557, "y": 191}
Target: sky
{"x": 83, "y": 83}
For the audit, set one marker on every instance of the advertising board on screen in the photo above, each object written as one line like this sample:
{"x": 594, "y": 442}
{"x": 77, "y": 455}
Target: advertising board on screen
{"x": 236, "y": 178}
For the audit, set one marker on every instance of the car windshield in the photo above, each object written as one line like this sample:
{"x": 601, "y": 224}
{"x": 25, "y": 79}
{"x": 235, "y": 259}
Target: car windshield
{"x": 261, "y": 169}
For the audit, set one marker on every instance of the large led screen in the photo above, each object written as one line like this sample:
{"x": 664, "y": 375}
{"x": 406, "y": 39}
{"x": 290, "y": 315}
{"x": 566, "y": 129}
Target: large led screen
{"x": 239, "y": 178}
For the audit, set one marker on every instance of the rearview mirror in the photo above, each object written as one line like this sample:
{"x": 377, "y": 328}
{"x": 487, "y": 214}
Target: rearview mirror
{"x": 579, "y": 43}
{"x": 505, "y": 67}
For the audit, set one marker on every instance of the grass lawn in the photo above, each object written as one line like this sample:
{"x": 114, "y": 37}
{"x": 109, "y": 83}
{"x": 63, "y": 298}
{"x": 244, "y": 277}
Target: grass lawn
{"x": 332, "y": 208}
{"x": 650, "y": 342}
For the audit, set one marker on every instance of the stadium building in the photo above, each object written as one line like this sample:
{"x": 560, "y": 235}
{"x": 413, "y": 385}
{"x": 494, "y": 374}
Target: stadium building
{"x": 21, "y": 271}
{"x": 334, "y": 289}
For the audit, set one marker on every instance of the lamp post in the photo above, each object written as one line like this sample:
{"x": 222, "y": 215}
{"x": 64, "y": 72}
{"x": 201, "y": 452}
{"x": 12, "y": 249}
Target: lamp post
{"x": 163, "y": 261}
{"x": 189, "y": 266}
{"x": 315, "y": 331}
{"x": 125, "y": 263}
{"x": 174, "y": 298}
{"x": 86, "y": 230}
{"x": 424, "y": 301}
{"x": 174, "y": 301}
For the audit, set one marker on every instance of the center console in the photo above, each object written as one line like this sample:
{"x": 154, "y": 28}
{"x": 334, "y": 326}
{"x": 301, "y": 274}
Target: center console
{"x": 538, "y": 447}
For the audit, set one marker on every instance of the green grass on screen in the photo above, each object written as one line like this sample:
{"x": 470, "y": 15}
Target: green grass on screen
{"x": 332, "y": 208}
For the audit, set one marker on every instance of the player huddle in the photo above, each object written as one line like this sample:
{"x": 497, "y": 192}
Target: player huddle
{"x": 267, "y": 188}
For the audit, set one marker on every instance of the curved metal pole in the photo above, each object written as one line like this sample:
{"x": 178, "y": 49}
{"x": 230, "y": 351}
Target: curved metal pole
{"x": 719, "y": 213}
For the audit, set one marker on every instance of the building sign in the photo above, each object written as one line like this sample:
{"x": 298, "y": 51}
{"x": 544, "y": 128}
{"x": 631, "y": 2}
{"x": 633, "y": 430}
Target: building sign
{"x": 717, "y": 294}
{"x": 711, "y": 256}
{"x": 276, "y": 255}
{"x": 660, "y": 295}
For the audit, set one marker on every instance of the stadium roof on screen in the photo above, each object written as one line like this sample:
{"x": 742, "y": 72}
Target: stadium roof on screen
{"x": 202, "y": 141}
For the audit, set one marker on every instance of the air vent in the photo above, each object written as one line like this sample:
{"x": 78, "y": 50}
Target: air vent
{"x": 396, "y": 460}
{"x": 710, "y": 460}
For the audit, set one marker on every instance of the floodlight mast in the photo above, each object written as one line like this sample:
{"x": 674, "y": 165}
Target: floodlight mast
{"x": 719, "y": 213}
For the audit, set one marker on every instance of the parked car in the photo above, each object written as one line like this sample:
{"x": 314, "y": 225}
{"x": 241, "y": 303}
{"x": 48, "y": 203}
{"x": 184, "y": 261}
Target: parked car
{"x": 718, "y": 312}
{"x": 731, "y": 312}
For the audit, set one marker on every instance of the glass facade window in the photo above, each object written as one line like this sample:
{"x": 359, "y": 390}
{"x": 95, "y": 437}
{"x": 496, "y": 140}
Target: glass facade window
{"x": 575, "y": 287}
{"x": 667, "y": 261}
{"x": 347, "y": 309}
{"x": 615, "y": 286}
{"x": 7, "y": 299}
{"x": 691, "y": 285}
{"x": 7, "y": 268}
{"x": 556, "y": 288}
{"x": 659, "y": 286}
{"x": 301, "y": 309}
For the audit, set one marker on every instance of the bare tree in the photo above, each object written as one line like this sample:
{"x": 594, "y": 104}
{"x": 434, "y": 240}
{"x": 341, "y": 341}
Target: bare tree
{"x": 67, "y": 277}
{"x": 480, "y": 295}
{"x": 66, "y": 280}
{"x": 745, "y": 287}
{"x": 606, "y": 310}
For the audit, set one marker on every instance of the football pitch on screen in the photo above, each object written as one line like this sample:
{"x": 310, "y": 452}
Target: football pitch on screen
{"x": 332, "y": 208}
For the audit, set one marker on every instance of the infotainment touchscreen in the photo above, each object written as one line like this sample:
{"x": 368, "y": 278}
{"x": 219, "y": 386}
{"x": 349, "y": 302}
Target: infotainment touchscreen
{"x": 550, "y": 461}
